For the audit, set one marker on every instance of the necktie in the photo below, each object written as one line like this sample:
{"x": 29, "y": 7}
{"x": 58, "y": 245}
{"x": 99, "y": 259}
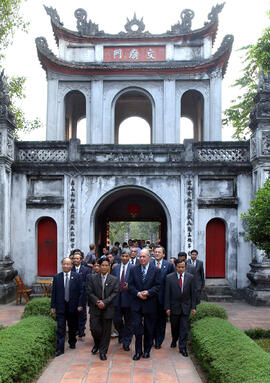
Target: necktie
{"x": 143, "y": 273}
{"x": 181, "y": 283}
{"x": 132, "y": 261}
{"x": 158, "y": 264}
{"x": 67, "y": 289}
{"x": 77, "y": 269}
{"x": 122, "y": 280}
{"x": 193, "y": 263}
{"x": 103, "y": 285}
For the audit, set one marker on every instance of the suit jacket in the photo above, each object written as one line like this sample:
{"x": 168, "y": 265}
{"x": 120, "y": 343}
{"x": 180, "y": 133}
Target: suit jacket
{"x": 166, "y": 268}
{"x": 122, "y": 299}
{"x": 95, "y": 294}
{"x": 151, "y": 283}
{"x": 76, "y": 293}
{"x": 175, "y": 301}
{"x": 198, "y": 272}
{"x": 83, "y": 271}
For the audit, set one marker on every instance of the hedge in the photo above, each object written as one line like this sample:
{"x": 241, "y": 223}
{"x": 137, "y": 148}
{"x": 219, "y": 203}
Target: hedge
{"x": 37, "y": 306}
{"x": 258, "y": 333}
{"x": 25, "y": 348}
{"x": 227, "y": 354}
{"x": 207, "y": 309}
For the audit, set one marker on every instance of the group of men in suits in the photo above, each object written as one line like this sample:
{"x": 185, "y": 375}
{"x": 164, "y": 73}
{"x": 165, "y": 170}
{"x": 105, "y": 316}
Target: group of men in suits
{"x": 137, "y": 296}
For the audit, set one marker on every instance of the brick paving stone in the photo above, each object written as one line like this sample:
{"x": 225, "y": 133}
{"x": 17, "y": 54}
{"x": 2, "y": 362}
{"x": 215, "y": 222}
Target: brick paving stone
{"x": 164, "y": 366}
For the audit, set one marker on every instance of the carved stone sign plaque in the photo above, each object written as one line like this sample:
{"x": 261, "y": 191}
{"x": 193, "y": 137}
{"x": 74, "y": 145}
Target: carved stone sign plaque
{"x": 134, "y": 53}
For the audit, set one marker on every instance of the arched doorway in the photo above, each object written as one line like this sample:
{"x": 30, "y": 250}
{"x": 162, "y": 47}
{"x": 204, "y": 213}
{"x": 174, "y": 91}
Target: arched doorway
{"x": 192, "y": 105}
{"x": 118, "y": 206}
{"x": 75, "y": 110}
{"x": 215, "y": 248}
{"x": 132, "y": 103}
{"x": 47, "y": 247}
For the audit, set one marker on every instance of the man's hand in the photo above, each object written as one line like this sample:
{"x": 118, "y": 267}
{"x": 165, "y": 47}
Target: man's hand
{"x": 80, "y": 308}
{"x": 52, "y": 311}
{"x": 145, "y": 293}
{"x": 141, "y": 296}
{"x": 193, "y": 312}
{"x": 125, "y": 286}
{"x": 168, "y": 312}
{"x": 100, "y": 305}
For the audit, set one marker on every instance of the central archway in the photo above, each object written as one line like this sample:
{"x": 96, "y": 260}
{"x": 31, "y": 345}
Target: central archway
{"x": 115, "y": 206}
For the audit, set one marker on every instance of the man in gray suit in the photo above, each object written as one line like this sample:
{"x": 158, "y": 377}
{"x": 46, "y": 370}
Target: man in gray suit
{"x": 179, "y": 302}
{"x": 195, "y": 267}
{"x": 102, "y": 289}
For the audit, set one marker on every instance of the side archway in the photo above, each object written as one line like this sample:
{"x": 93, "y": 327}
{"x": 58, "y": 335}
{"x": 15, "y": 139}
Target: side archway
{"x": 192, "y": 107}
{"x": 215, "y": 248}
{"x": 75, "y": 110}
{"x": 47, "y": 247}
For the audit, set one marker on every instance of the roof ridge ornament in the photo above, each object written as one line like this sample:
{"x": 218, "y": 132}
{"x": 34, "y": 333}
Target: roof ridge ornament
{"x": 185, "y": 26}
{"x": 138, "y": 24}
{"x": 52, "y": 12}
{"x": 213, "y": 15}
{"x": 86, "y": 28}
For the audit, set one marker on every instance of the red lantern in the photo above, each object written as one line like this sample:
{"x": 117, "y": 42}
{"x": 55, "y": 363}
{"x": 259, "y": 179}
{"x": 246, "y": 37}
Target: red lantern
{"x": 133, "y": 209}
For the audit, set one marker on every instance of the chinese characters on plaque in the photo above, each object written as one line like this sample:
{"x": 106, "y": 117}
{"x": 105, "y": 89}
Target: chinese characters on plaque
{"x": 133, "y": 54}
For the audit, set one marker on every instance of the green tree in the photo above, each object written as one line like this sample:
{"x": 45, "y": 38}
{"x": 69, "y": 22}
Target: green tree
{"x": 256, "y": 58}
{"x": 257, "y": 220}
{"x": 11, "y": 20}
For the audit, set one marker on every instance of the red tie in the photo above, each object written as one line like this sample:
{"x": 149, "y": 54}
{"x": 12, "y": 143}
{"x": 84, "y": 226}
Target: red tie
{"x": 180, "y": 282}
{"x": 122, "y": 280}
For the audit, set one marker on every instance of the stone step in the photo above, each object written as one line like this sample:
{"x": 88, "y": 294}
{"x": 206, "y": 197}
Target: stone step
{"x": 219, "y": 298}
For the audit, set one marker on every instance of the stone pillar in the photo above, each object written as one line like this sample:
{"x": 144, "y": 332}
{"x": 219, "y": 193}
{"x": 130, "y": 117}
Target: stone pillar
{"x": 7, "y": 126}
{"x": 170, "y": 136}
{"x": 97, "y": 115}
{"x": 258, "y": 292}
{"x": 215, "y": 106}
{"x": 55, "y": 129}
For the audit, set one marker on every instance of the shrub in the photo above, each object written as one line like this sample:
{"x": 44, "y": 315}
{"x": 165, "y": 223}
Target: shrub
{"x": 25, "y": 348}
{"x": 264, "y": 344}
{"x": 227, "y": 354}
{"x": 37, "y": 306}
{"x": 206, "y": 309}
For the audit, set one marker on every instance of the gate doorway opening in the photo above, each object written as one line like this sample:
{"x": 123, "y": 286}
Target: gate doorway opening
{"x": 126, "y": 205}
{"x": 140, "y": 230}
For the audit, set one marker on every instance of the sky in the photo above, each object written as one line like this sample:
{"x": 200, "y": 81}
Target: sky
{"x": 245, "y": 19}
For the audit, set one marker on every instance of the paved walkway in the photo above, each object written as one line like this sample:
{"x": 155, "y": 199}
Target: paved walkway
{"x": 165, "y": 365}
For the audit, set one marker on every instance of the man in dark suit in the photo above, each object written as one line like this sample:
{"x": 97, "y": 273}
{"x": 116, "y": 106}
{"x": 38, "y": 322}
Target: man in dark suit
{"x": 196, "y": 268}
{"x": 66, "y": 302}
{"x": 122, "y": 311}
{"x": 144, "y": 284}
{"x": 165, "y": 269}
{"x": 102, "y": 289}
{"x": 133, "y": 256}
{"x": 179, "y": 301}
{"x": 83, "y": 271}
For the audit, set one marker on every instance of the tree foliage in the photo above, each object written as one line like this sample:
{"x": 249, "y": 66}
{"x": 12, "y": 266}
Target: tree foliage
{"x": 256, "y": 58}
{"x": 11, "y": 20}
{"x": 257, "y": 219}
{"x": 138, "y": 230}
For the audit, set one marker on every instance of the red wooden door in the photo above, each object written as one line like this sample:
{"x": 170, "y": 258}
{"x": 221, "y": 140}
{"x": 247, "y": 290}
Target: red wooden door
{"x": 215, "y": 249}
{"x": 47, "y": 247}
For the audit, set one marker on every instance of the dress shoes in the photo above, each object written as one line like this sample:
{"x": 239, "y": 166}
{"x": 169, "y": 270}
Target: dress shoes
{"x": 137, "y": 356}
{"x": 157, "y": 346}
{"x": 146, "y": 355}
{"x": 173, "y": 344}
{"x": 126, "y": 348}
{"x": 58, "y": 353}
{"x": 102, "y": 357}
{"x": 94, "y": 350}
{"x": 183, "y": 351}
{"x": 81, "y": 334}
{"x": 72, "y": 346}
